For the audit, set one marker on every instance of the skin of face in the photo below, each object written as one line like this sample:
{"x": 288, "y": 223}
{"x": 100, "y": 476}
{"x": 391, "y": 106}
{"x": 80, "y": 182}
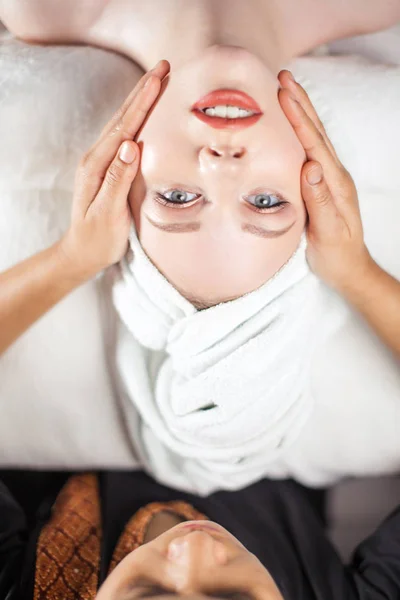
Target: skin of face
{"x": 222, "y": 171}
{"x": 194, "y": 559}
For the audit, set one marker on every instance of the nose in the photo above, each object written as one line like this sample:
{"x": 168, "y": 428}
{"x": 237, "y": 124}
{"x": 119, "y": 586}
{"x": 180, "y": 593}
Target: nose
{"x": 193, "y": 555}
{"x": 222, "y": 154}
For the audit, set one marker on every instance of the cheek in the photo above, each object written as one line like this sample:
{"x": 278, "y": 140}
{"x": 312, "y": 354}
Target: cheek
{"x": 302, "y": 214}
{"x": 162, "y": 137}
{"x": 286, "y": 138}
{"x": 154, "y": 146}
{"x": 166, "y": 154}
{"x": 278, "y": 157}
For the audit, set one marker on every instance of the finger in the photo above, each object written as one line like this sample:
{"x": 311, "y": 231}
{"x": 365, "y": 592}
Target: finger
{"x": 96, "y": 162}
{"x": 113, "y": 194}
{"x": 318, "y": 199}
{"x": 131, "y": 121}
{"x": 88, "y": 178}
{"x": 160, "y": 70}
{"x": 287, "y": 81}
{"x": 311, "y": 138}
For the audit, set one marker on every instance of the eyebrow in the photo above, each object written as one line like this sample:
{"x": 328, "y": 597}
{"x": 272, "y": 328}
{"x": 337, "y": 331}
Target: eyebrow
{"x": 195, "y": 226}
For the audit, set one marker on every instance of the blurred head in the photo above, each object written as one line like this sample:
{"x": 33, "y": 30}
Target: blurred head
{"x": 218, "y": 210}
{"x": 196, "y": 559}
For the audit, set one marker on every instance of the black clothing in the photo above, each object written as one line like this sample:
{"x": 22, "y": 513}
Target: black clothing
{"x": 279, "y": 521}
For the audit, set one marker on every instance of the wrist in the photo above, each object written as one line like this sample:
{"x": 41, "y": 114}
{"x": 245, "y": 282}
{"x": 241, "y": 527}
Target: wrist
{"x": 359, "y": 279}
{"x": 73, "y": 267}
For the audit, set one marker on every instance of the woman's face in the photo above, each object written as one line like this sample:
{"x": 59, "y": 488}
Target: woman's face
{"x": 218, "y": 210}
{"x": 196, "y": 559}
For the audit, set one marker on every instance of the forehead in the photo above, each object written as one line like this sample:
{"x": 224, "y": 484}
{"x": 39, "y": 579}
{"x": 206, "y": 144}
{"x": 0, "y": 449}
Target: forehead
{"x": 217, "y": 264}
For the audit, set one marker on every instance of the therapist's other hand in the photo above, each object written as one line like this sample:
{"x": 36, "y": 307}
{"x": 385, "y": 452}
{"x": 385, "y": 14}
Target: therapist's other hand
{"x": 101, "y": 218}
{"x": 336, "y": 251}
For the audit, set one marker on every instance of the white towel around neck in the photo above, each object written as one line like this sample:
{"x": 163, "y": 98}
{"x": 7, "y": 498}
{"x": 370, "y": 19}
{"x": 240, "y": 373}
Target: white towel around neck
{"x": 222, "y": 391}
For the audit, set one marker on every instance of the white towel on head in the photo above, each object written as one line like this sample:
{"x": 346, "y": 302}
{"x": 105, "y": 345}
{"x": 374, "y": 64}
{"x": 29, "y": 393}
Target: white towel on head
{"x": 220, "y": 392}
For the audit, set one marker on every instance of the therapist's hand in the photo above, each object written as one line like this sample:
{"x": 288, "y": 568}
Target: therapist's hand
{"x": 101, "y": 218}
{"x": 336, "y": 250}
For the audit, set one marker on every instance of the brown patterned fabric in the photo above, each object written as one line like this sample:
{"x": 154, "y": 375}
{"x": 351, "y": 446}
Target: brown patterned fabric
{"x": 135, "y": 530}
{"x": 68, "y": 549}
{"x": 69, "y": 545}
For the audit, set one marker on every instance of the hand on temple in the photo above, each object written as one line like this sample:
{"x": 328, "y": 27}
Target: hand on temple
{"x": 100, "y": 223}
{"x": 336, "y": 250}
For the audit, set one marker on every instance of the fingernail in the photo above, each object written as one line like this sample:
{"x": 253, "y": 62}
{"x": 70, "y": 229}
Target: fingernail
{"x": 290, "y": 75}
{"x": 314, "y": 175}
{"x": 127, "y": 154}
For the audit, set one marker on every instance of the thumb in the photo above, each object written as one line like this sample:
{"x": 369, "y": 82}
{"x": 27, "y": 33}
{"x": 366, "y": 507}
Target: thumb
{"x": 118, "y": 178}
{"x": 317, "y": 197}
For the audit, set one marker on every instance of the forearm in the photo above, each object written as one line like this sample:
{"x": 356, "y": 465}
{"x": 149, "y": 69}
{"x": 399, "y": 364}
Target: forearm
{"x": 376, "y": 296}
{"x": 31, "y": 288}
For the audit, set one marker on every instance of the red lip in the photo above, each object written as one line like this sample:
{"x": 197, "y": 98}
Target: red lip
{"x": 232, "y": 97}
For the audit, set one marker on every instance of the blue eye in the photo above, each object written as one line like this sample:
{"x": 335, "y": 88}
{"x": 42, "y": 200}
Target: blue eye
{"x": 264, "y": 201}
{"x": 179, "y": 196}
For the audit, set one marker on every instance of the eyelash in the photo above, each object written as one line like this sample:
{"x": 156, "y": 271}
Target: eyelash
{"x": 273, "y": 208}
{"x": 165, "y": 202}
{"x": 162, "y": 200}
